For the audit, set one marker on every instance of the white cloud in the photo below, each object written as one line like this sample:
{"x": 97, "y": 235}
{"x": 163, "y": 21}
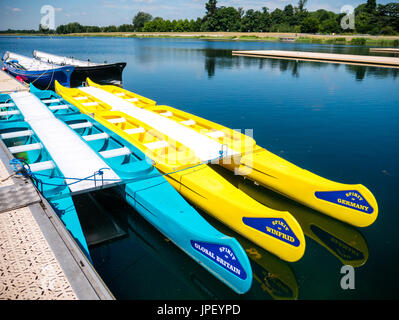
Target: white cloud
{"x": 16, "y": 9}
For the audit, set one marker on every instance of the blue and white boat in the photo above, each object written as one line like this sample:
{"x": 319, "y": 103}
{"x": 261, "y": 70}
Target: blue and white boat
{"x": 41, "y": 73}
{"x": 66, "y": 153}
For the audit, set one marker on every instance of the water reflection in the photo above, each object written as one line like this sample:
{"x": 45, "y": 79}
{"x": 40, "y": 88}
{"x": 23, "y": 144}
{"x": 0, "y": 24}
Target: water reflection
{"x": 361, "y": 72}
{"x": 116, "y": 259}
{"x": 222, "y": 59}
{"x": 148, "y": 253}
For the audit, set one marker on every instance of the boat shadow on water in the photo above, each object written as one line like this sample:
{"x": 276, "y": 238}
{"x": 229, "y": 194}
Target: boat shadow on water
{"x": 274, "y": 278}
{"x": 119, "y": 227}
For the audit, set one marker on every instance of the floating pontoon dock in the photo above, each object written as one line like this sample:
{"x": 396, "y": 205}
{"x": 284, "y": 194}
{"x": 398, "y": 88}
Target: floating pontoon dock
{"x": 10, "y": 84}
{"x": 376, "y": 61}
{"x": 39, "y": 257}
{"x": 394, "y": 51}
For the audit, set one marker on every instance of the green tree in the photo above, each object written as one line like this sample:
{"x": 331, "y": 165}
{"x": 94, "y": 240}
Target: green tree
{"x": 387, "y": 30}
{"x": 330, "y": 26}
{"x": 125, "y": 28}
{"x": 301, "y": 5}
{"x": 310, "y": 25}
{"x": 289, "y": 10}
{"x": 74, "y": 27}
{"x": 140, "y": 19}
{"x": 299, "y": 15}
{"x": 388, "y": 16}
{"x": 252, "y": 21}
{"x": 221, "y": 19}
{"x": 265, "y": 20}
{"x": 196, "y": 24}
{"x": 371, "y": 6}
{"x": 211, "y": 8}
{"x": 322, "y": 15}
{"x": 227, "y": 19}
{"x": 61, "y": 29}
{"x": 110, "y": 29}
{"x": 92, "y": 29}
{"x": 168, "y": 26}
{"x": 360, "y": 8}
{"x": 364, "y": 22}
{"x": 179, "y": 26}
{"x": 277, "y": 16}
{"x": 43, "y": 29}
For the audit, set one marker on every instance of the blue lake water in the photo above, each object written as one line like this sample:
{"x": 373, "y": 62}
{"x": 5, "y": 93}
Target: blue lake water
{"x": 339, "y": 121}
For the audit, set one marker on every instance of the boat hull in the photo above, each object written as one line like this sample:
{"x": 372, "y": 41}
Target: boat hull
{"x": 146, "y": 190}
{"x": 43, "y": 79}
{"x": 108, "y": 73}
{"x": 275, "y": 231}
{"x": 350, "y": 203}
{"x": 159, "y": 203}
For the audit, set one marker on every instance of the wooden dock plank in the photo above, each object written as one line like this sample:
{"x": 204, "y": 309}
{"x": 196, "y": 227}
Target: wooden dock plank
{"x": 378, "y": 61}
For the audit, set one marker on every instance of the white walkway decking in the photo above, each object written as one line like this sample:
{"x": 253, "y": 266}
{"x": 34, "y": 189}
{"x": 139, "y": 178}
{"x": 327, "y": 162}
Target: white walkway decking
{"x": 71, "y": 154}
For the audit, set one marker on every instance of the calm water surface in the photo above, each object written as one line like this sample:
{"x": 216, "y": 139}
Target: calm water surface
{"x": 339, "y": 121}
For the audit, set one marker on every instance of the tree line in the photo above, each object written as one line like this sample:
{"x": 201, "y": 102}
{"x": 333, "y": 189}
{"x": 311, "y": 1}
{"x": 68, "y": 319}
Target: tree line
{"x": 370, "y": 18}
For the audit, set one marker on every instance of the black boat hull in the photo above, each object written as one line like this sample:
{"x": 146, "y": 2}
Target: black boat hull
{"x": 104, "y": 74}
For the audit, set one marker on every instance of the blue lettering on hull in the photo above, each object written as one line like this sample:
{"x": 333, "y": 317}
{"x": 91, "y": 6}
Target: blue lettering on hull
{"x": 349, "y": 198}
{"x": 275, "y": 227}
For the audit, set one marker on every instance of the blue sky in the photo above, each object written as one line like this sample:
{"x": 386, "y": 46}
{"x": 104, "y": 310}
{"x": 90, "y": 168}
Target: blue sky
{"x": 25, "y": 14}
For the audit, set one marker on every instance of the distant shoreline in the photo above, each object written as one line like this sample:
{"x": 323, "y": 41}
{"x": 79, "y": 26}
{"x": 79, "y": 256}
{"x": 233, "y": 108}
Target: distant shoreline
{"x": 240, "y": 36}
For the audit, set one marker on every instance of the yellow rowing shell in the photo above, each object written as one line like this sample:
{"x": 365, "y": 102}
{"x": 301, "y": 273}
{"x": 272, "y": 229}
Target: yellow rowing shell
{"x": 351, "y": 203}
{"x": 276, "y": 231}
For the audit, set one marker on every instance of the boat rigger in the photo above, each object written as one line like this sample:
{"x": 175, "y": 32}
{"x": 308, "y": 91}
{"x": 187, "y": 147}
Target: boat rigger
{"x": 182, "y": 155}
{"x": 351, "y": 203}
{"x": 91, "y": 145}
{"x": 203, "y": 147}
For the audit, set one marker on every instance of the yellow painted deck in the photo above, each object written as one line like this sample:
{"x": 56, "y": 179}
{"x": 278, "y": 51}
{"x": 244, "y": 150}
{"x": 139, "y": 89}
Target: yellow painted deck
{"x": 377, "y": 61}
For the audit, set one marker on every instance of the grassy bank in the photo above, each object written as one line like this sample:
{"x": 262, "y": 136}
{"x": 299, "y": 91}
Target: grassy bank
{"x": 350, "y": 39}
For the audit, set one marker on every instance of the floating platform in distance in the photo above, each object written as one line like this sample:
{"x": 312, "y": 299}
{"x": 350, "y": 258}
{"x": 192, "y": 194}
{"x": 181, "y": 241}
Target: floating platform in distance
{"x": 287, "y": 39}
{"x": 375, "y": 61}
{"x": 394, "y": 51}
